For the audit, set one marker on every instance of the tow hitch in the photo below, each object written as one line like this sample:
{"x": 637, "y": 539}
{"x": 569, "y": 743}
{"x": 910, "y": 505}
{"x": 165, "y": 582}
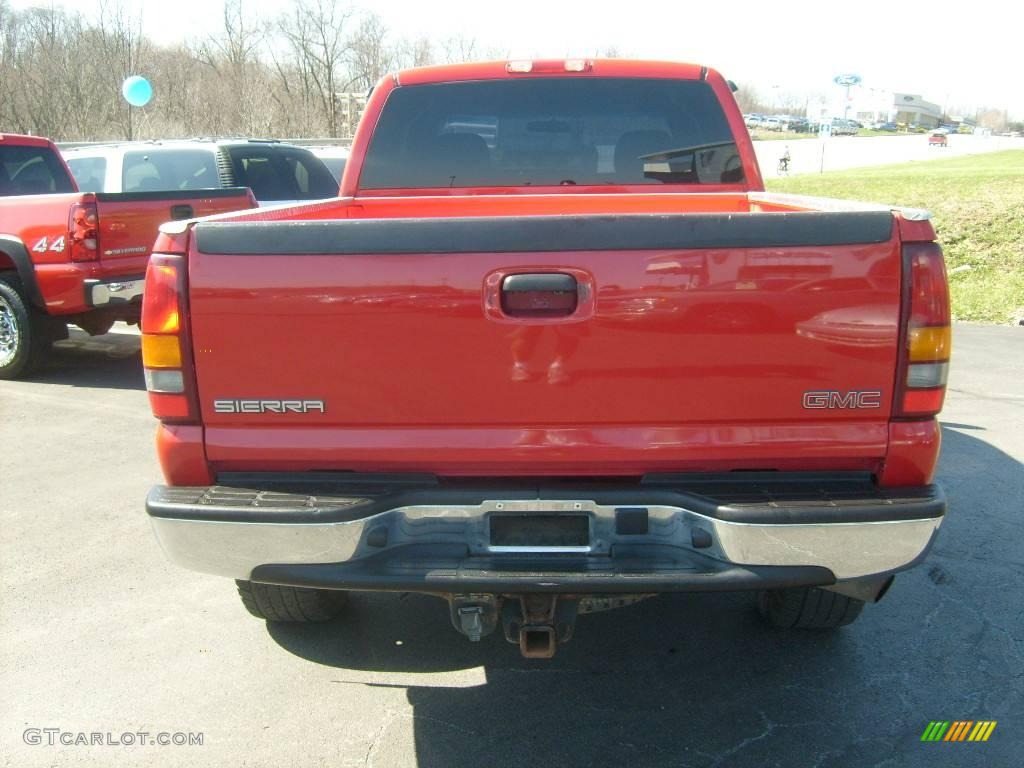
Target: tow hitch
{"x": 536, "y": 623}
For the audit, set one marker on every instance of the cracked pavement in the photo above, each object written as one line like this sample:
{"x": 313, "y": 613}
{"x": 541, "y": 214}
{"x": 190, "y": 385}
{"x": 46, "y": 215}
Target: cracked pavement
{"x": 99, "y": 633}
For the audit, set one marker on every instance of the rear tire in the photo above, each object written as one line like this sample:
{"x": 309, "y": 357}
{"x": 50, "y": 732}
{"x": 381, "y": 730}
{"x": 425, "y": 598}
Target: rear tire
{"x": 292, "y": 604}
{"x": 808, "y": 608}
{"x": 24, "y": 341}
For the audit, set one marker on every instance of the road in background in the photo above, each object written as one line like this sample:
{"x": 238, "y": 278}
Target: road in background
{"x": 99, "y": 633}
{"x": 843, "y": 152}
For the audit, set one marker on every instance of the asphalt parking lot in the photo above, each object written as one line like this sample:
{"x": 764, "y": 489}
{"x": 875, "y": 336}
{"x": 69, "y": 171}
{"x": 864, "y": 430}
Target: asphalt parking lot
{"x": 98, "y": 633}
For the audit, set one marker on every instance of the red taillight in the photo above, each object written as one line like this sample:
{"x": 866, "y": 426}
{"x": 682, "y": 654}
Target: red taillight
{"x": 926, "y": 339}
{"x": 161, "y": 310}
{"x": 165, "y": 345}
{"x": 929, "y": 291}
{"x": 83, "y": 232}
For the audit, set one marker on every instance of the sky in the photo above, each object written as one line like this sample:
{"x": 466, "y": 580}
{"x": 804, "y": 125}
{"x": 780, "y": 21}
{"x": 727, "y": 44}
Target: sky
{"x": 963, "y": 53}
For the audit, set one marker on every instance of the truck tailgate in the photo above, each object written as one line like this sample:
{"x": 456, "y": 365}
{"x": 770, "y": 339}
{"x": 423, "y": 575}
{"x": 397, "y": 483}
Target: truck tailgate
{"x": 129, "y": 221}
{"x": 724, "y": 340}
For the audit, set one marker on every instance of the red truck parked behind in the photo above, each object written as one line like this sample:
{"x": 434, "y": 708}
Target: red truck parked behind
{"x": 554, "y": 350}
{"x": 70, "y": 257}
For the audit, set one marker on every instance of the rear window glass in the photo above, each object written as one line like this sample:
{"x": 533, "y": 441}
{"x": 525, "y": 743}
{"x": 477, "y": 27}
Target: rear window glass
{"x": 558, "y": 131}
{"x": 154, "y": 170}
{"x": 32, "y": 171}
{"x": 280, "y": 173}
{"x": 336, "y": 165}
{"x": 90, "y": 172}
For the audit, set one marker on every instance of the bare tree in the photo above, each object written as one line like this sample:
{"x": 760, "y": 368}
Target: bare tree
{"x": 370, "y": 57}
{"x": 459, "y": 49}
{"x": 46, "y": 51}
{"x": 182, "y": 85}
{"x": 237, "y": 95}
{"x": 993, "y": 119}
{"x": 119, "y": 41}
{"x": 749, "y": 98}
{"x": 237, "y": 45}
{"x": 316, "y": 31}
{"x": 8, "y": 46}
{"x": 415, "y": 53}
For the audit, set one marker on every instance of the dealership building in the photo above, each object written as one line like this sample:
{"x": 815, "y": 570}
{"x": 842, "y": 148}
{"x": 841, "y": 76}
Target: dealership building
{"x": 874, "y": 105}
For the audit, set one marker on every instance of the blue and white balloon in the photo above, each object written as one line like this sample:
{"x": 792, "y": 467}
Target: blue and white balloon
{"x": 137, "y": 91}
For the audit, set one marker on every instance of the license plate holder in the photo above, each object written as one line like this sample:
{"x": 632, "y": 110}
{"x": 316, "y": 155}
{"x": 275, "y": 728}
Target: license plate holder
{"x": 539, "y": 531}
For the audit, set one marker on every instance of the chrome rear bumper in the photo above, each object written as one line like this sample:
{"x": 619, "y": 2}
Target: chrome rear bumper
{"x": 351, "y": 542}
{"x": 123, "y": 290}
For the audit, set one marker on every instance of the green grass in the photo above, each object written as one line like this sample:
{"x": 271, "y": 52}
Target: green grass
{"x": 978, "y": 208}
{"x": 873, "y": 132}
{"x": 759, "y": 135}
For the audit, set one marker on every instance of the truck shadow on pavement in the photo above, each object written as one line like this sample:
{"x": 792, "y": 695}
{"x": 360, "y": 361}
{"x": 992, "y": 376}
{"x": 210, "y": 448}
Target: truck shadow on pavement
{"x": 111, "y": 361}
{"x": 697, "y": 680}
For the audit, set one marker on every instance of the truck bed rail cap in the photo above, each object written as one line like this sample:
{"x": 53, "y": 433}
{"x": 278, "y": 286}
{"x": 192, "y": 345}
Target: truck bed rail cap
{"x": 546, "y": 234}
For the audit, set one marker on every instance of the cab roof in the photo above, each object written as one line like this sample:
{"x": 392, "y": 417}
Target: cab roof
{"x": 495, "y": 70}
{"x": 21, "y": 140}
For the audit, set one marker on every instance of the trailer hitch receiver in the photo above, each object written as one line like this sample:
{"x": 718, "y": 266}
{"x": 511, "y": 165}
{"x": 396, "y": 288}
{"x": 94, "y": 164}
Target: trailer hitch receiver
{"x": 538, "y": 623}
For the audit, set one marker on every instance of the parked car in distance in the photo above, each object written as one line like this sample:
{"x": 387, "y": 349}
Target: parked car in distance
{"x": 937, "y": 138}
{"x": 753, "y": 120}
{"x": 333, "y": 157}
{"x": 275, "y": 172}
{"x": 75, "y": 257}
{"x": 772, "y": 124}
{"x": 841, "y": 127}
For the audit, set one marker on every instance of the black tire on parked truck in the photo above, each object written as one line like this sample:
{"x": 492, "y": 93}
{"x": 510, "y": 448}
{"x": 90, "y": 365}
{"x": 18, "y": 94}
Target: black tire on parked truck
{"x": 292, "y": 604}
{"x": 808, "y": 608}
{"x": 24, "y": 336}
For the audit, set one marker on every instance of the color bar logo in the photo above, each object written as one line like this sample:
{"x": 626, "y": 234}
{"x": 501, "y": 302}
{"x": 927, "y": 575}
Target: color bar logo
{"x": 958, "y": 730}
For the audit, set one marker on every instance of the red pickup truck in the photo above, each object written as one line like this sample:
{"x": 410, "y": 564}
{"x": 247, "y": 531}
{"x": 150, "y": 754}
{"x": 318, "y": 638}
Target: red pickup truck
{"x": 71, "y": 257}
{"x": 554, "y": 350}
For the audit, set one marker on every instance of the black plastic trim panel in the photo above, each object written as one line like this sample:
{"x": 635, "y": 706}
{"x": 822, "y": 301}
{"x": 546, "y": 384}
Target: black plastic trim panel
{"x": 533, "y": 234}
{"x": 449, "y": 568}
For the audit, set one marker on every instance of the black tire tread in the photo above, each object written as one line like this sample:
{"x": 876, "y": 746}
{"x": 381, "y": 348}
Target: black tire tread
{"x": 290, "y": 604}
{"x": 808, "y": 608}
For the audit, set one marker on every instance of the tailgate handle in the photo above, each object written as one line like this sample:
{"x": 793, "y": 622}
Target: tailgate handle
{"x": 542, "y": 294}
{"x": 183, "y": 211}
